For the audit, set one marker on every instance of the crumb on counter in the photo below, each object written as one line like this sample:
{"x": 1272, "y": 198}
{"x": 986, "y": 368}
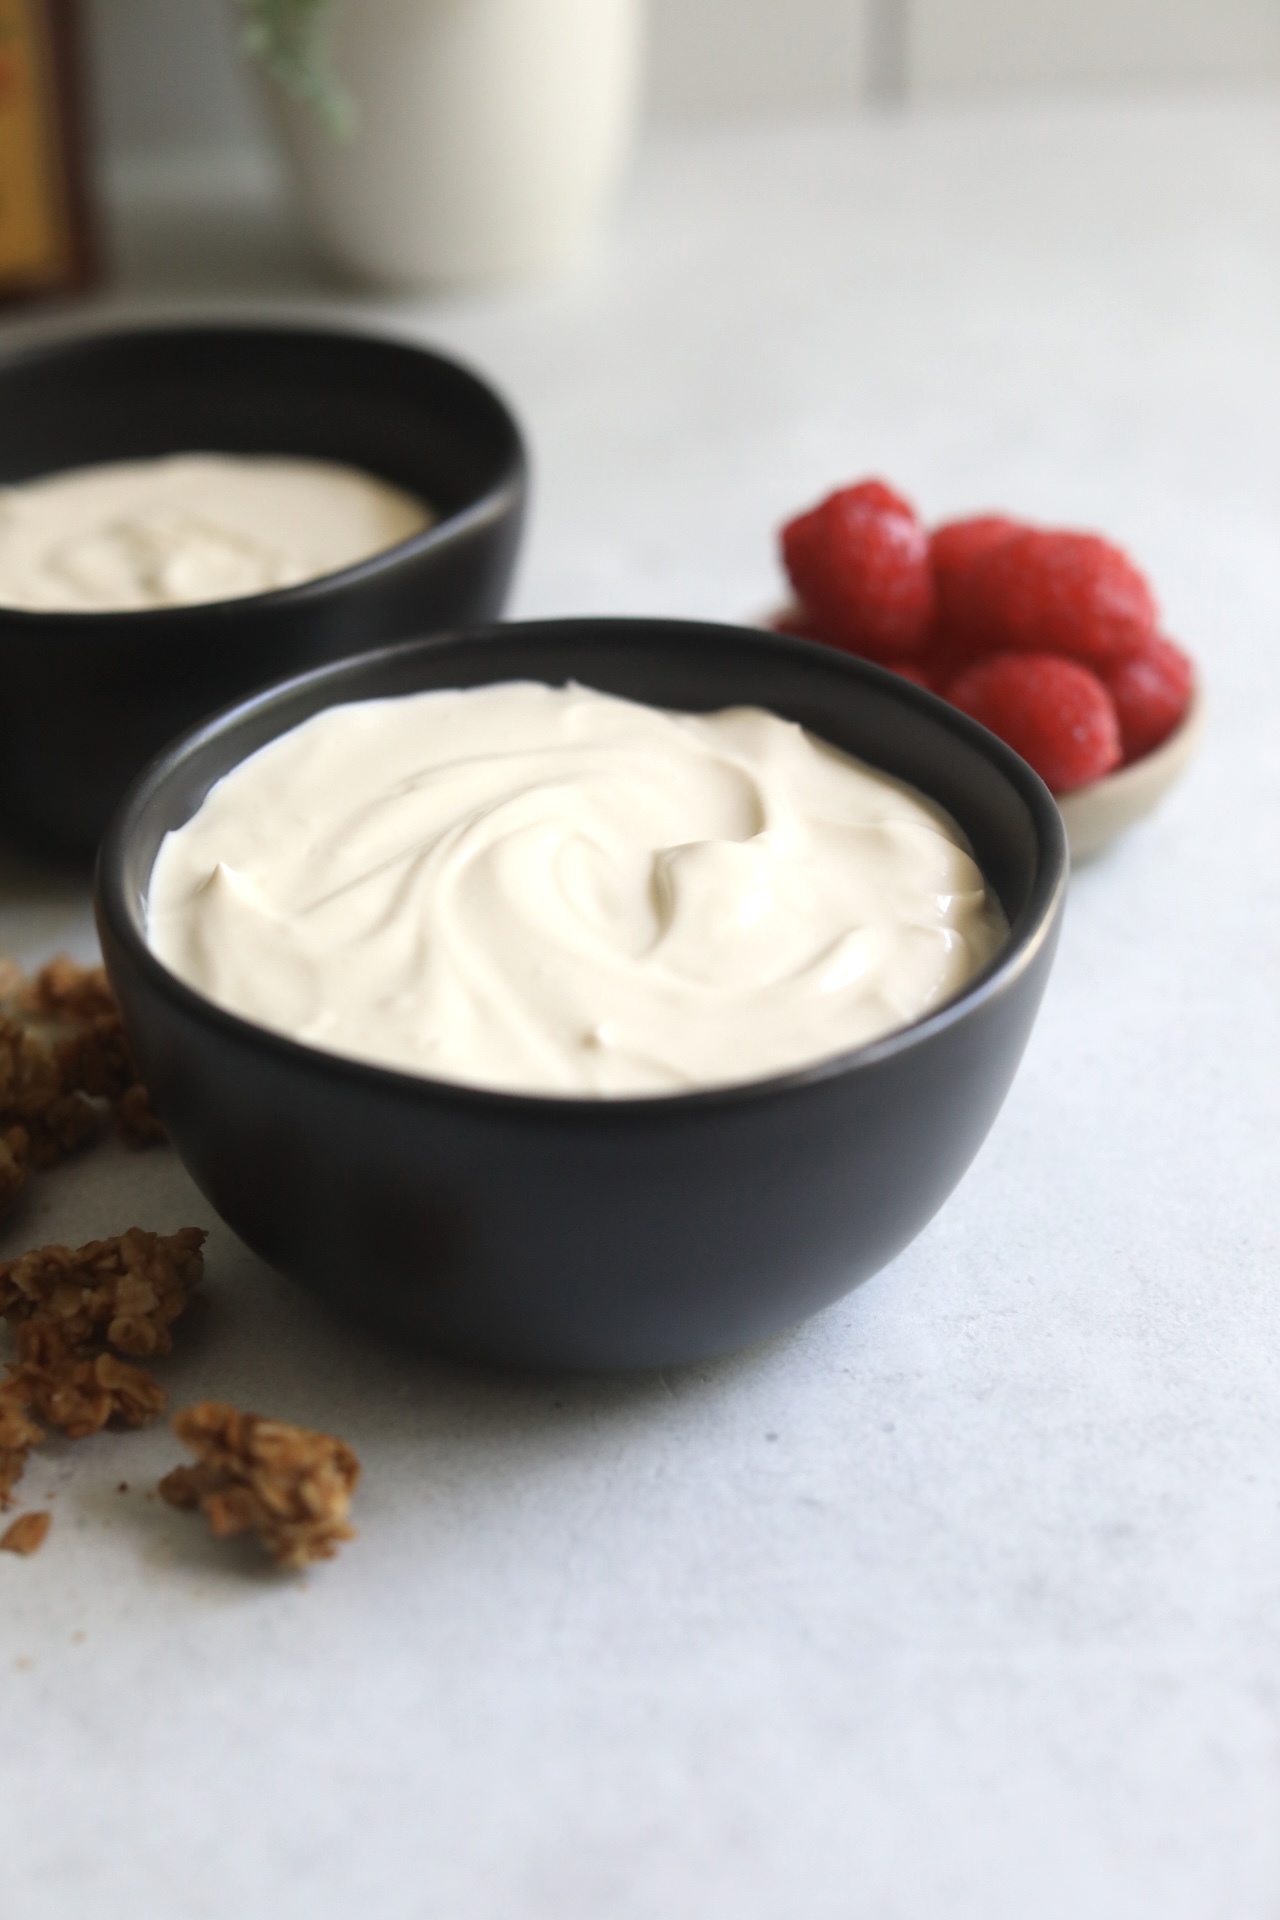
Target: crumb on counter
{"x": 27, "y": 1534}
{"x": 289, "y": 1486}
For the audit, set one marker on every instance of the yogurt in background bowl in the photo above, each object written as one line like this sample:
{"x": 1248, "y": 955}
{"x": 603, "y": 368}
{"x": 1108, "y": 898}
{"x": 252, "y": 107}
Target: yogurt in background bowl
{"x": 127, "y": 535}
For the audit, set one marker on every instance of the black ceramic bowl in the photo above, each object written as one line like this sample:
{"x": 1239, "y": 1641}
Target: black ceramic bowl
{"x": 89, "y": 698}
{"x": 594, "y": 1233}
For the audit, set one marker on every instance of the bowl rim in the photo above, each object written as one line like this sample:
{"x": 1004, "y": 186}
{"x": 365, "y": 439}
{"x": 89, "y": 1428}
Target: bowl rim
{"x": 1028, "y": 935}
{"x": 75, "y": 623}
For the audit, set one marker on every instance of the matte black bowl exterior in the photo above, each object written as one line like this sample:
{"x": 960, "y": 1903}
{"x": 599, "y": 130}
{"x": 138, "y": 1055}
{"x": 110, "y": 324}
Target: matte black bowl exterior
{"x": 89, "y": 698}
{"x": 594, "y": 1233}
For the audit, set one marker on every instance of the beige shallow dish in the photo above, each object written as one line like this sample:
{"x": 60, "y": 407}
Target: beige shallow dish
{"x": 1099, "y": 813}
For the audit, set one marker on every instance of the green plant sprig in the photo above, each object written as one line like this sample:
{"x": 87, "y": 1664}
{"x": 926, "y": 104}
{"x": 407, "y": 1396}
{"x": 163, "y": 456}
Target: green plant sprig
{"x": 287, "y": 38}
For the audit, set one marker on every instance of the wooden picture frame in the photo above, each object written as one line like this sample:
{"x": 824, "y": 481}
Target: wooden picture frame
{"x": 46, "y": 231}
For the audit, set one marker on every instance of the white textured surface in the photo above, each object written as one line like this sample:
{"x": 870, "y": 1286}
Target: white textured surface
{"x": 963, "y": 1600}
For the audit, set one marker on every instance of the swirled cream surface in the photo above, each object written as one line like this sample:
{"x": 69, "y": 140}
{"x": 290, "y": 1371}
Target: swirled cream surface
{"x": 553, "y": 891}
{"x": 133, "y": 534}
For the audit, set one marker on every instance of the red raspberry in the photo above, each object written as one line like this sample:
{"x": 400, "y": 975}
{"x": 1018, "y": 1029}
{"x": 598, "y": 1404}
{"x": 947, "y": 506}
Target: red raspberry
{"x": 1055, "y": 713}
{"x": 799, "y": 624}
{"x": 1069, "y": 593}
{"x": 954, "y": 550}
{"x": 1151, "y": 693}
{"x": 796, "y": 622}
{"x": 860, "y": 564}
{"x": 911, "y": 670}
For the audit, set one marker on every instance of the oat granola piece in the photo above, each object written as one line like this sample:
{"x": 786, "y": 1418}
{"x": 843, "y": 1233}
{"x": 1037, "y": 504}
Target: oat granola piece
{"x": 27, "y": 1533}
{"x": 137, "y": 1121}
{"x": 15, "y": 1154}
{"x": 29, "y": 1076}
{"x": 32, "y": 1096}
{"x": 291, "y": 1487}
{"x": 96, "y": 1059}
{"x": 64, "y": 990}
{"x": 18, "y": 1434}
{"x": 125, "y": 1292}
{"x": 64, "y": 1127}
{"x": 64, "y": 1306}
{"x": 79, "y": 1393}
{"x": 62, "y": 1046}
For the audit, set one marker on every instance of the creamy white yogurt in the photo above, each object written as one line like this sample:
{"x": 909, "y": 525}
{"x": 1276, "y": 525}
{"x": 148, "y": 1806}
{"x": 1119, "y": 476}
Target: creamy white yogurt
{"x": 196, "y": 527}
{"x": 549, "y": 890}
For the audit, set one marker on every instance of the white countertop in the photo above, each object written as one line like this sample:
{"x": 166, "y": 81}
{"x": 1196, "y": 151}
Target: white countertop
{"x": 964, "y": 1599}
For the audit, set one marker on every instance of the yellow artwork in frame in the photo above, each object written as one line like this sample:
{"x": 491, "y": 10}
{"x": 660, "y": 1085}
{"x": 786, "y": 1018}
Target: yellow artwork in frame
{"x": 43, "y": 237}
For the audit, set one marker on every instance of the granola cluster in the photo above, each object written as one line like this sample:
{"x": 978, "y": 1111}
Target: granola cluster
{"x": 15, "y": 1153}
{"x": 137, "y": 1122}
{"x": 80, "y": 1317}
{"x": 18, "y": 1434}
{"x": 290, "y": 1487}
{"x": 80, "y": 1394}
{"x": 62, "y": 1049}
{"x": 64, "y": 990}
{"x": 66, "y": 1309}
{"x": 53, "y": 1118}
{"x": 126, "y": 1292}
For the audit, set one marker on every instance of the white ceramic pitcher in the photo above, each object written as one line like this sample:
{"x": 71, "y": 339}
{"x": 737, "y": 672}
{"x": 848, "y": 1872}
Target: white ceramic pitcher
{"x": 488, "y": 135}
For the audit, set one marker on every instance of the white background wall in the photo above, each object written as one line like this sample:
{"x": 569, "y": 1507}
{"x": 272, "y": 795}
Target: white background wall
{"x": 167, "y": 74}
{"x": 958, "y": 46}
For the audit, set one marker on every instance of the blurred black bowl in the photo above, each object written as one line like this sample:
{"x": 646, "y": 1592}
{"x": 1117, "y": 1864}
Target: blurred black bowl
{"x": 595, "y": 1233}
{"x": 87, "y": 699}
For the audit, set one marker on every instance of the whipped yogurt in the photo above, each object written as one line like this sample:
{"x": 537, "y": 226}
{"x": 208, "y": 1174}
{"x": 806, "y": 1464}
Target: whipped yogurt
{"x": 555, "y": 891}
{"x": 192, "y": 528}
